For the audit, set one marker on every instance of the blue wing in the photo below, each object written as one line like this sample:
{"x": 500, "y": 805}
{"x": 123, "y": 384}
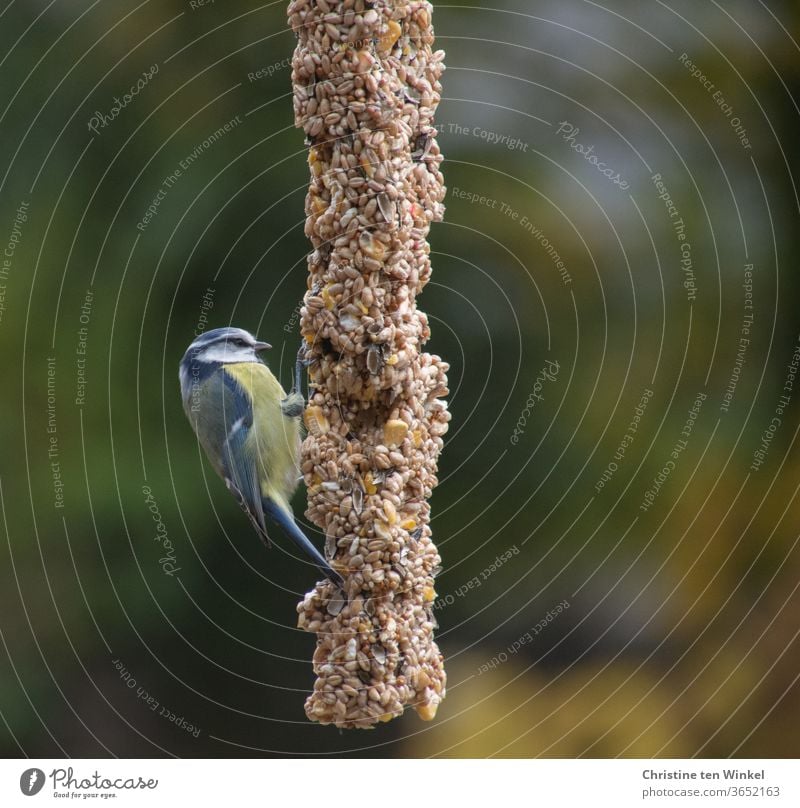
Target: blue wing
{"x": 223, "y": 431}
{"x": 240, "y": 470}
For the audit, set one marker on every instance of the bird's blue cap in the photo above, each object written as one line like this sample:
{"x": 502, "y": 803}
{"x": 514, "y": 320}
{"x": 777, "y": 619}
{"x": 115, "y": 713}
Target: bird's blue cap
{"x": 219, "y": 335}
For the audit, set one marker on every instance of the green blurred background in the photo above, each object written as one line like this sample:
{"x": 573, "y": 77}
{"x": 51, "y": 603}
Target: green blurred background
{"x": 611, "y": 624}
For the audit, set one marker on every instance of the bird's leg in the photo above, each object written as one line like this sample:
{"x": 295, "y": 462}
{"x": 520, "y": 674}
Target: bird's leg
{"x": 294, "y": 404}
{"x": 298, "y": 369}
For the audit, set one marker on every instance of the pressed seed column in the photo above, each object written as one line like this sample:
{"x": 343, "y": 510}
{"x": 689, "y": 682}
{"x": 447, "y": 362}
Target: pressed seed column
{"x": 366, "y": 86}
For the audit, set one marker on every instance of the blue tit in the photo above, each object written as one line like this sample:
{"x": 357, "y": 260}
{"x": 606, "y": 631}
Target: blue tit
{"x": 249, "y": 428}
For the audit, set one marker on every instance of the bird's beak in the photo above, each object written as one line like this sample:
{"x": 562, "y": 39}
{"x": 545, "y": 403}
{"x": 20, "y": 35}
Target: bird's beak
{"x": 261, "y": 346}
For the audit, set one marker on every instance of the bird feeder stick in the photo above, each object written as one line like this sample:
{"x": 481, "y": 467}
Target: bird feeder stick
{"x": 366, "y": 87}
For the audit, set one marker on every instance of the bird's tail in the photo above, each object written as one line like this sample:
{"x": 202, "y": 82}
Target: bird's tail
{"x": 286, "y": 521}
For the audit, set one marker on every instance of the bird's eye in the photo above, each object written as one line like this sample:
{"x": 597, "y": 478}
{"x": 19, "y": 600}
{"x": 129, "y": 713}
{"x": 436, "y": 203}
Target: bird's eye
{"x": 241, "y": 343}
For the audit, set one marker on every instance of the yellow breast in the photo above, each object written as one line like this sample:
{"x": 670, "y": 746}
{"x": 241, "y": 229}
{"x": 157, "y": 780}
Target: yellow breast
{"x": 274, "y": 439}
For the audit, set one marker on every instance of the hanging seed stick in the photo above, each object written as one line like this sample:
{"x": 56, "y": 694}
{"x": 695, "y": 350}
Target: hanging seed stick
{"x": 366, "y": 86}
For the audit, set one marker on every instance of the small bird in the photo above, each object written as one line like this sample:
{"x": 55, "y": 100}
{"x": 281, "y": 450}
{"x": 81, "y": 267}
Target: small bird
{"x": 249, "y": 428}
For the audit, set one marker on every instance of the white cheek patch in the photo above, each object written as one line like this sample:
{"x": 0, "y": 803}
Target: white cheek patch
{"x": 227, "y": 352}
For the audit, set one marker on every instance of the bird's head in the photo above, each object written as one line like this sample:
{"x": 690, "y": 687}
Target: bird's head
{"x": 220, "y": 346}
